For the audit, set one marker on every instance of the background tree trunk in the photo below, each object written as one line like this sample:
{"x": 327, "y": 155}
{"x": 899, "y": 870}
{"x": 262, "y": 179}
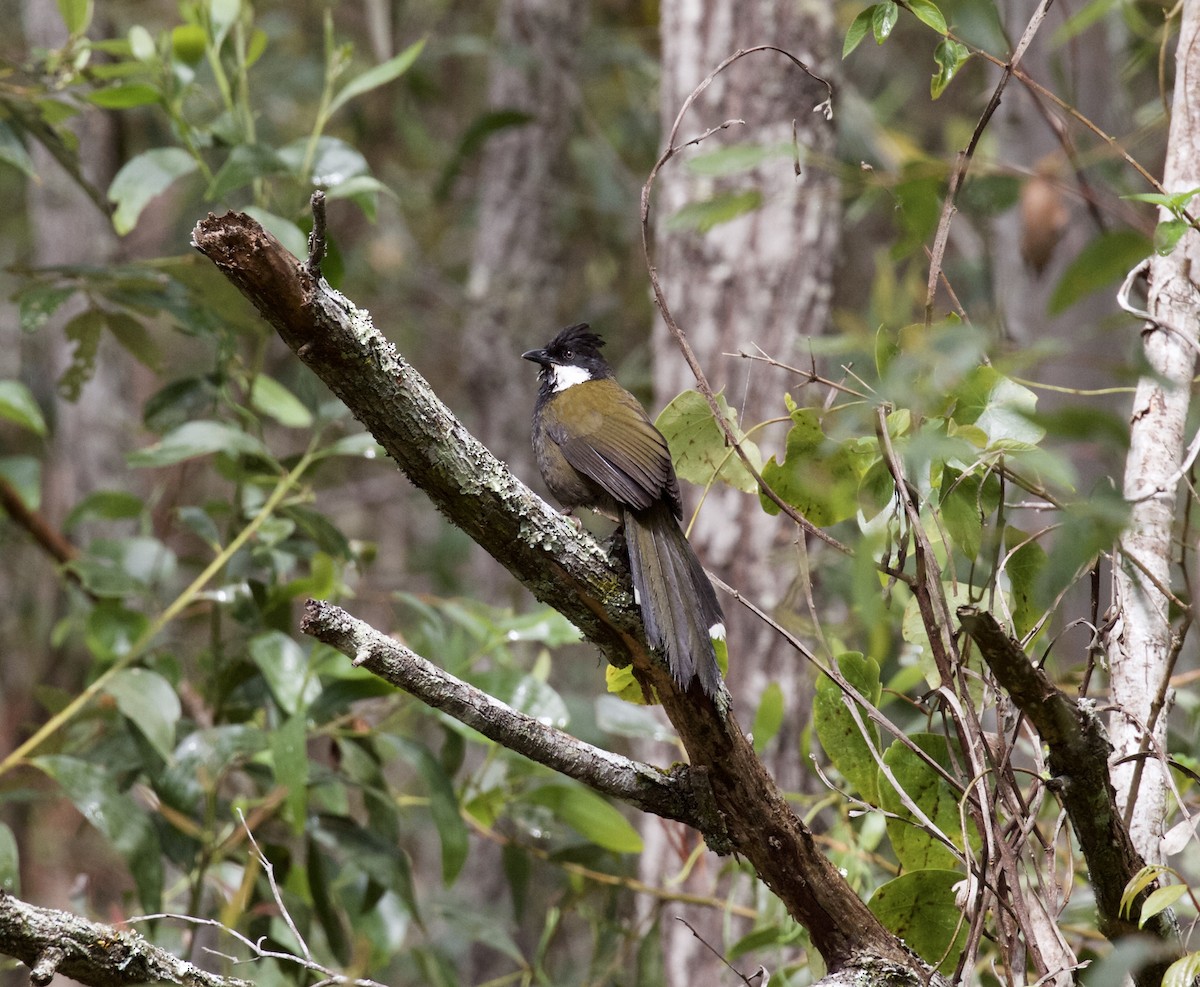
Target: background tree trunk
{"x": 762, "y": 280}
{"x": 1142, "y": 647}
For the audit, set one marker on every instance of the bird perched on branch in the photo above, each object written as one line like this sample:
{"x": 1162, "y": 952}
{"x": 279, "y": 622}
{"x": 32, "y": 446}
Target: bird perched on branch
{"x": 597, "y": 448}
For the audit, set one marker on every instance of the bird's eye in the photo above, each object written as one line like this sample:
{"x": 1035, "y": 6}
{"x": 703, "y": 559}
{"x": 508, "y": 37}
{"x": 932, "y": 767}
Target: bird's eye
{"x": 568, "y": 353}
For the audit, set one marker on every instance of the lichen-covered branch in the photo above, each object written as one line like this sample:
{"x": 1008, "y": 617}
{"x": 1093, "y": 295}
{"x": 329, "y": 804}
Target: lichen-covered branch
{"x": 52, "y": 942}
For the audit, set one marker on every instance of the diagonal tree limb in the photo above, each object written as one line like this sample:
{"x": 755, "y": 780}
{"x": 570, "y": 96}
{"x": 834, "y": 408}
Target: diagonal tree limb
{"x": 561, "y": 567}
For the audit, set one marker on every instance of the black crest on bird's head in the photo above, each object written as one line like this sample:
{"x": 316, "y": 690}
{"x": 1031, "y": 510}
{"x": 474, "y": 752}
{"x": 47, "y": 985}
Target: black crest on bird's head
{"x": 575, "y": 346}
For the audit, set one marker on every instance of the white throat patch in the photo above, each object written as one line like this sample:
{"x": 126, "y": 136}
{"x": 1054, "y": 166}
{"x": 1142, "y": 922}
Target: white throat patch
{"x": 565, "y": 377}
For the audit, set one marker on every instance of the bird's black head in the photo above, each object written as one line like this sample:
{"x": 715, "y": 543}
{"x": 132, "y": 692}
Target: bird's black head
{"x": 571, "y": 357}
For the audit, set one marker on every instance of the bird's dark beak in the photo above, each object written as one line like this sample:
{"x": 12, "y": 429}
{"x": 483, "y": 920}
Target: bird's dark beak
{"x": 537, "y": 356}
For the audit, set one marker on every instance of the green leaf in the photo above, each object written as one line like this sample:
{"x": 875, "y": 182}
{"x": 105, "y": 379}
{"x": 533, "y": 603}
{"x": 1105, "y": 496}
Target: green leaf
{"x": 18, "y": 405}
{"x": 839, "y": 734}
{"x": 443, "y": 804}
{"x": 246, "y": 164}
{"x": 721, "y": 208}
{"x": 950, "y": 56}
{"x": 193, "y": 439}
{"x": 112, "y": 628}
{"x": 589, "y": 815}
{"x": 39, "y": 301}
{"x": 142, "y": 178}
{"x": 135, "y": 338}
{"x": 1103, "y": 263}
{"x": 188, "y": 42}
{"x": 76, "y": 15}
{"x": 117, "y": 567}
{"x": 289, "y": 754}
{"x": 116, "y": 815}
{"x": 698, "y": 444}
{"x": 1183, "y": 972}
{"x": 125, "y": 96}
{"x": 271, "y": 398}
{"x": 380, "y": 75}
{"x": 1026, "y": 562}
{"x": 883, "y": 19}
{"x": 85, "y": 332}
{"x": 147, "y": 701}
{"x": 818, "y": 477}
{"x": 284, "y": 665}
{"x": 1000, "y": 407}
{"x": 920, "y": 908}
{"x": 915, "y": 848}
{"x": 361, "y": 445}
{"x": 966, "y": 501}
{"x": 1159, "y": 900}
{"x": 768, "y": 718}
{"x": 858, "y": 30}
{"x": 928, "y": 14}
{"x": 10, "y": 861}
{"x": 24, "y": 473}
{"x": 12, "y": 151}
{"x": 1167, "y": 234}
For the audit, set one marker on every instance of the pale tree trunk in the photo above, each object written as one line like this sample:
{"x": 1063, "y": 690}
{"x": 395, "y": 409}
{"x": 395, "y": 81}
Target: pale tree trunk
{"x": 762, "y": 280}
{"x": 514, "y": 288}
{"x": 1142, "y": 642}
{"x": 84, "y": 453}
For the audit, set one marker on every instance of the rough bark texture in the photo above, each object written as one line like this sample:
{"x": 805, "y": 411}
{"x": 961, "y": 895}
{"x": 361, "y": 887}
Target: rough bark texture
{"x": 762, "y": 280}
{"x": 1140, "y": 646}
{"x": 556, "y": 563}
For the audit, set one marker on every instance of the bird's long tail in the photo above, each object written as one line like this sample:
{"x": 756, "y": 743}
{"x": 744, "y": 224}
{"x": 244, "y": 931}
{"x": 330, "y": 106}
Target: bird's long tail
{"x": 678, "y": 603}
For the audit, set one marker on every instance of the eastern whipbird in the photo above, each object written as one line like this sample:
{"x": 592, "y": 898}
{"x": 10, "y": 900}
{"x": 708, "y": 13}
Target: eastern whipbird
{"x": 597, "y": 448}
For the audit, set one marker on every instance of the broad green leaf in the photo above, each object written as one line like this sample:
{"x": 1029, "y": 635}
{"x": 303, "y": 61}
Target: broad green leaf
{"x": 1103, "y": 263}
{"x": 928, "y": 14}
{"x": 84, "y": 331}
{"x": 589, "y": 815}
{"x": 380, "y": 75}
{"x": 136, "y": 339}
{"x": 284, "y": 664}
{"x": 117, "y": 567}
{"x": 768, "y": 718}
{"x": 858, "y": 30}
{"x": 117, "y": 815}
{"x": 361, "y": 445}
{"x": 1000, "y": 407}
{"x": 913, "y": 630}
{"x": 123, "y": 97}
{"x": 148, "y": 701}
{"x": 12, "y": 151}
{"x": 269, "y": 397}
{"x": 289, "y": 754}
{"x": 920, "y": 908}
{"x": 883, "y": 19}
{"x": 721, "y": 208}
{"x": 76, "y": 15}
{"x": 966, "y": 501}
{"x": 142, "y": 178}
{"x": 1183, "y": 972}
{"x": 222, "y": 14}
{"x": 246, "y": 164}
{"x": 698, "y": 445}
{"x": 10, "y": 861}
{"x": 193, "y": 439}
{"x": 17, "y": 404}
{"x": 1160, "y": 899}
{"x": 950, "y": 56}
{"x": 540, "y": 700}
{"x": 443, "y": 804}
{"x": 838, "y": 733}
{"x": 188, "y": 42}
{"x": 375, "y": 858}
{"x": 1024, "y": 567}
{"x": 112, "y": 629}
{"x": 1167, "y": 234}
{"x": 335, "y": 161}
{"x": 39, "y": 301}
{"x": 915, "y": 848}
{"x": 818, "y": 477}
